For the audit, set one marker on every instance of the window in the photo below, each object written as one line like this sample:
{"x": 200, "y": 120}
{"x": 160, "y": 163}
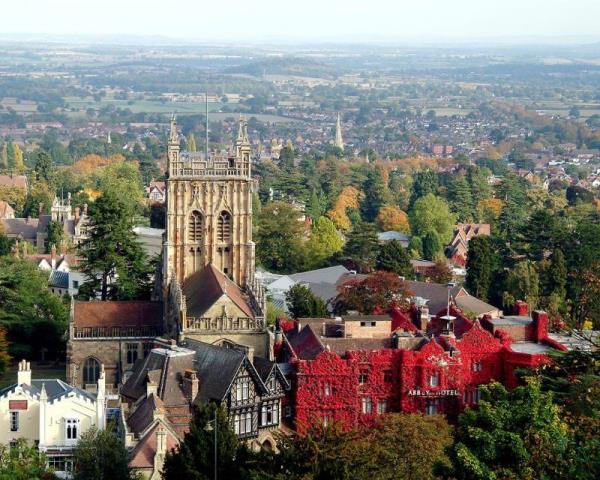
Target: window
{"x": 75, "y": 284}
{"x": 363, "y": 377}
{"x": 368, "y": 324}
{"x": 91, "y": 371}
{"x": 477, "y": 366}
{"x": 367, "y": 405}
{"x": 224, "y": 227}
{"x": 327, "y": 390}
{"x": 269, "y": 414}
{"x": 242, "y": 423}
{"x": 14, "y": 421}
{"x": 287, "y": 411}
{"x": 195, "y": 227}
{"x": 434, "y": 379}
{"x": 147, "y": 349}
{"x": 71, "y": 429}
{"x": 431, "y": 408}
{"x": 476, "y": 395}
{"x": 132, "y": 353}
{"x": 61, "y": 464}
{"x": 242, "y": 390}
{"x": 326, "y": 420}
{"x": 387, "y": 376}
{"x": 381, "y": 406}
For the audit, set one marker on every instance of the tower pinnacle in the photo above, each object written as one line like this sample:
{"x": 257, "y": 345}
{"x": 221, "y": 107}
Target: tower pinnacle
{"x": 339, "y": 141}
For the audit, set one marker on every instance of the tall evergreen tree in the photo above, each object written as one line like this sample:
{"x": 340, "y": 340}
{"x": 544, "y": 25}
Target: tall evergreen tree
{"x": 55, "y": 235}
{"x": 432, "y": 246}
{"x": 194, "y": 457}
{"x": 114, "y": 262}
{"x": 191, "y": 142}
{"x": 424, "y": 182}
{"x": 392, "y": 257}
{"x": 4, "y": 157}
{"x": 43, "y": 167}
{"x": 480, "y": 267}
{"x": 362, "y": 246}
{"x": 303, "y": 303}
{"x": 375, "y": 190}
{"x": 461, "y": 200}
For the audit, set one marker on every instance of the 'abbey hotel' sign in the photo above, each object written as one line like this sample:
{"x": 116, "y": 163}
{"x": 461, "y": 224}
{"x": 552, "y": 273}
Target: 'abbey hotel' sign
{"x": 433, "y": 393}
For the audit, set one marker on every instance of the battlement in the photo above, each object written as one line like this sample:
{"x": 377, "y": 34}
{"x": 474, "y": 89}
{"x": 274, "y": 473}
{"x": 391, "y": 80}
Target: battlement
{"x": 195, "y": 164}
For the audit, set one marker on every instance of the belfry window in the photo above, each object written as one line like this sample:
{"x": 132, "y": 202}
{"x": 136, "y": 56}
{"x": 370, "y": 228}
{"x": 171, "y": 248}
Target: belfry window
{"x": 224, "y": 227}
{"x": 195, "y": 227}
{"x": 91, "y": 371}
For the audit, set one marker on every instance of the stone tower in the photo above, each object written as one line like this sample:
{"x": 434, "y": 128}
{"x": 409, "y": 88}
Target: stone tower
{"x": 339, "y": 141}
{"x": 209, "y": 289}
{"x": 209, "y": 211}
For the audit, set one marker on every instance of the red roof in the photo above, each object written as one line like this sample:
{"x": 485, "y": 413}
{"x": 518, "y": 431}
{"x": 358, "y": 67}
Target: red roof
{"x": 19, "y": 181}
{"x": 144, "y": 452}
{"x": 117, "y": 314}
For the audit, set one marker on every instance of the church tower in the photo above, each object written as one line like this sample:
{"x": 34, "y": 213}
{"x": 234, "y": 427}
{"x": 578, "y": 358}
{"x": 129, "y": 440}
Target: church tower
{"x": 339, "y": 141}
{"x": 209, "y": 211}
{"x": 209, "y": 289}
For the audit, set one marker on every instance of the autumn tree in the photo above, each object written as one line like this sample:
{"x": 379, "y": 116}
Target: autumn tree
{"x": 349, "y": 198}
{"x": 381, "y": 290}
{"x": 488, "y": 210}
{"x": 440, "y": 272}
{"x": 391, "y": 217}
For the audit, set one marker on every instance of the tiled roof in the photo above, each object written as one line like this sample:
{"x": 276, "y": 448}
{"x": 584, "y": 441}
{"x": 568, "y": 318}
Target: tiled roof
{"x": 6, "y": 210}
{"x": 19, "y": 181}
{"x": 142, "y": 456}
{"x": 143, "y": 415}
{"x": 118, "y": 314}
{"x": 27, "y": 228}
{"x": 203, "y": 288}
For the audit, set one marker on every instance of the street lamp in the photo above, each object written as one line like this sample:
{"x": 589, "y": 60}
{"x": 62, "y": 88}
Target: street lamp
{"x": 209, "y": 428}
{"x": 448, "y": 319}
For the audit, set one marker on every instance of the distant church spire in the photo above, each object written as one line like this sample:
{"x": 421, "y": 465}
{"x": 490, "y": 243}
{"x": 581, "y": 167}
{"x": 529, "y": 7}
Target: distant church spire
{"x": 108, "y": 139}
{"x": 339, "y": 141}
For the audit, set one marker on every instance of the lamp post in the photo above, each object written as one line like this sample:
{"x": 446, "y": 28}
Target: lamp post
{"x": 448, "y": 319}
{"x": 209, "y": 428}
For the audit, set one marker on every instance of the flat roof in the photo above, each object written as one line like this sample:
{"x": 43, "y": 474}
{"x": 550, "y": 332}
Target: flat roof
{"x": 512, "y": 320}
{"x": 530, "y": 347}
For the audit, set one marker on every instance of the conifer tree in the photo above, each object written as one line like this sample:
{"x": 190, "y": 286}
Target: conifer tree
{"x": 375, "y": 195}
{"x": 393, "y": 257}
{"x": 191, "y": 143}
{"x": 18, "y": 164}
{"x": 432, "y": 246}
{"x": 461, "y": 199}
{"x": 4, "y": 157}
{"x": 114, "y": 262}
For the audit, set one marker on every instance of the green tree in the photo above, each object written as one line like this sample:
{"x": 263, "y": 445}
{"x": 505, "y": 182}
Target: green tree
{"x": 114, "y": 263}
{"x": 122, "y": 179}
{"x": 424, "y": 183}
{"x": 557, "y": 274}
{"x": 461, "y": 200}
{"x": 522, "y": 283}
{"x": 34, "y": 318}
{"x": 286, "y": 157}
{"x": 302, "y": 303}
{"x": 100, "y": 455}
{"x": 40, "y": 194}
{"x": 317, "y": 205}
{"x": 324, "y": 242}
{"x": 415, "y": 247}
{"x": 542, "y": 232}
{"x": 432, "y": 246}
{"x": 480, "y": 266}
{"x": 478, "y": 181}
{"x": 375, "y": 195}
{"x": 43, "y": 168}
{"x": 392, "y": 257}
{"x": 194, "y": 458}
{"x": 362, "y": 246}
{"x": 55, "y": 235}
{"x": 517, "y": 435}
{"x": 432, "y": 213}
{"x": 22, "y": 462}
{"x": 4, "y": 157}
{"x": 279, "y": 238}
{"x": 4, "y": 355}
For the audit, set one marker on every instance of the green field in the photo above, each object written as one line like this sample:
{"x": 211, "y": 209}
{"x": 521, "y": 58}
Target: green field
{"x": 136, "y": 106}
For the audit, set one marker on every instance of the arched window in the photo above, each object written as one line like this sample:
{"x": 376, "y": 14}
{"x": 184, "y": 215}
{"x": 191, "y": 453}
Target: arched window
{"x": 224, "y": 227}
{"x": 195, "y": 227}
{"x": 91, "y": 371}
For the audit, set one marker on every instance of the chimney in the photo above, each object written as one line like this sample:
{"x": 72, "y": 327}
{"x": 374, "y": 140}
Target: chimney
{"x": 521, "y": 308}
{"x": 161, "y": 450}
{"x": 53, "y": 256}
{"x": 423, "y": 317}
{"x": 540, "y": 325}
{"x": 24, "y": 373}
{"x": 77, "y": 213}
{"x": 250, "y": 355}
{"x": 40, "y": 209}
{"x": 190, "y": 384}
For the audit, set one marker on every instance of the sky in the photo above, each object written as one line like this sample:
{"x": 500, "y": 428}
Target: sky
{"x": 308, "y": 20}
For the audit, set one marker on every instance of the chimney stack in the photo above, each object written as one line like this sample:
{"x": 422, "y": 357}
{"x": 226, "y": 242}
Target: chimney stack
{"x": 190, "y": 385}
{"x": 423, "y": 317}
{"x": 53, "y": 256}
{"x": 40, "y": 209}
{"x": 540, "y": 325}
{"x": 24, "y": 373}
{"x": 77, "y": 213}
{"x": 521, "y": 308}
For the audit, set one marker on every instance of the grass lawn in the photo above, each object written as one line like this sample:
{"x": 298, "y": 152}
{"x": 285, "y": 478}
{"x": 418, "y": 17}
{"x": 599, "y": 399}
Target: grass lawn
{"x": 37, "y": 371}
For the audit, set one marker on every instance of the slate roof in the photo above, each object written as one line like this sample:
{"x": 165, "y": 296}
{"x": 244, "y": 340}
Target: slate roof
{"x": 24, "y": 227}
{"x": 203, "y": 288}
{"x": 117, "y": 314}
{"x": 58, "y": 279}
{"x": 216, "y": 367}
{"x": 55, "y": 389}
{"x": 305, "y": 343}
{"x": 328, "y": 275}
{"x": 142, "y": 455}
{"x": 143, "y": 415}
